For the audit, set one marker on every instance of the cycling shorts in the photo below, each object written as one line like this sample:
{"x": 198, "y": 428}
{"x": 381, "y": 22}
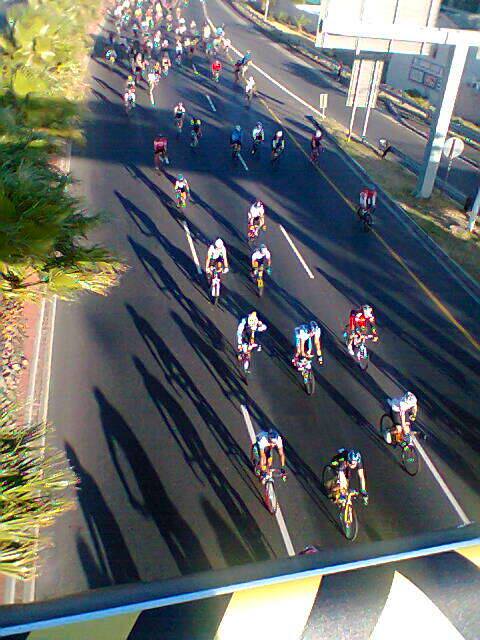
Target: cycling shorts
{"x": 308, "y": 341}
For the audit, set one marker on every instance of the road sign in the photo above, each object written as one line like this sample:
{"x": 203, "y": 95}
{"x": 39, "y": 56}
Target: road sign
{"x": 364, "y": 83}
{"x": 323, "y": 102}
{"x": 453, "y": 147}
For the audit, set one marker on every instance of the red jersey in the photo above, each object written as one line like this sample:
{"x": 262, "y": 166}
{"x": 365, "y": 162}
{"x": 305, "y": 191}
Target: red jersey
{"x": 216, "y": 66}
{"x": 359, "y": 321}
{"x": 160, "y": 144}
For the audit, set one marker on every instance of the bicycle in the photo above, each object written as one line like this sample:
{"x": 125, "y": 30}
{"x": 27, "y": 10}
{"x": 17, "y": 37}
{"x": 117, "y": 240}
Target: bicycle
{"x": 304, "y": 367}
{"x": 259, "y": 279}
{"x": 267, "y": 478}
{"x": 315, "y": 154}
{"x": 236, "y": 146}
{"x": 129, "y": 106}
{"x": 179, "y": 125}
{"x": 215, "y": 283}
{"x": 195, "y": 139}
{"x": 409, "y": 457}
{"x": 360, "y": 352}
{"x": 347, "y": 514}
{"x": 181, "y": 199}
{"x": 256, "y": 145}
{"x": 245, "y": 357}
{"x": 249, "y": 96}
{"x": 276, "y": 153}
{"x": 366, "y": 217}
{"x": 160, "y": 157}
{"x": 216, "y": 76}
{"x": 253, "y": 232}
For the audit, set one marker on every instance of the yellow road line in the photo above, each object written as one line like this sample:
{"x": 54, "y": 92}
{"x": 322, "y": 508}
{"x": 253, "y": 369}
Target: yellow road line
{"x": 438, "y": 303}
{"x": 281, "y": 610}
{"x": 116, "y": 627}
{"x": 472, "y": 554}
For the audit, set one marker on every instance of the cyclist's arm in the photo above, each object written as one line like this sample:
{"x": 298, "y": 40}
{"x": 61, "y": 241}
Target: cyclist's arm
{"x": 342, "y": 481}
{"x": 363, "y": 484}
{"x": 318, "y": 346}
{"x": 240, "y": 330}
{"x": 208, "y": 259}
{"x": 225, "y": 258}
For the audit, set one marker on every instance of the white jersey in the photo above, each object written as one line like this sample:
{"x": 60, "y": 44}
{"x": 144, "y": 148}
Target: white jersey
{"x": 401, "y": 406}
{"x": 258, "y": 133}
{"x": 250, "y": 85}
{"x": 256, "y": 211}
{"x": 264, "y": 443}
{"x": 178, "y": 48}
{"x": 259, "y": 326}
{"x": 215, "y": 254}
{"x": 303, "y": 332}
{"x": 206, "y": 32}
{"x": 182, "y": 185}
{"x": 258, "y": 256}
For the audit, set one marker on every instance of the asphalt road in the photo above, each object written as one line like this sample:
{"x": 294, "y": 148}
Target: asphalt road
{"x": 145, "y": 393}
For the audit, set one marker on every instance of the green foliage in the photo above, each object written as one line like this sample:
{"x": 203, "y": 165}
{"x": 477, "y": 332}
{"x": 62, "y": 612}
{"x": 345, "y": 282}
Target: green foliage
{"x": 43, "y": 230}
{"x": 301, "y": 21}
{"x": 282, "y": 16}
{"x": 36, "y": 486}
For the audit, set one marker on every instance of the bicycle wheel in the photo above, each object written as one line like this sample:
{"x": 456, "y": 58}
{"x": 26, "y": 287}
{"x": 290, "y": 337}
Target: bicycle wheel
{"x": 270, "y": 497}
{"x": 367, "y": 222}
{"x": 362, "y": 360}
{"x": 410, "y": 459}
{"x": 309, "y": 382}
{"x": 386, "y": 425}
{"x": 260, "y": 287}
{"x": 329, "y": 479}
{"x": 349, "y": 521}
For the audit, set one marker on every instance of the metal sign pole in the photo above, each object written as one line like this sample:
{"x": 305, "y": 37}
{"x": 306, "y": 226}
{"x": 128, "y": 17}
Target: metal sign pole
{"x": 267, "y": 6}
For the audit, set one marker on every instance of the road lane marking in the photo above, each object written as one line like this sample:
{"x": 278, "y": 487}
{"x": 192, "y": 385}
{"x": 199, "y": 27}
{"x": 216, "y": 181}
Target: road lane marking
{"x": 440, "y": 306}
{"x": 210, "y": 102}
{"x": 297, "y": 253}
{"x": 192, "y": 247}
{"x": 443, "y": 485}
{"x": 243, "y": 162}
{"x": 278, "y": 515}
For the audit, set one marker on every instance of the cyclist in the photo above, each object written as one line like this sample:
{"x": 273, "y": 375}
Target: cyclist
{"x": 345, "y": 461}
{"x": 305, "y": 336}
{"x": 179, "y": 114}
{"x": 196, "y": 124}
{"x": 262, "y": 452}
{"x": 206, "y": 32}
{"x": 178, "y": 52}
{"x": 216, "y": 69}
{"x": 236, "y": 137}
{"x": 111, "y": 56}
{"x": 250, "y": 88}
{"x": 403, "y": 411}
{"x": 368, "y": 200}
{"x": 316, "y": 143}
{"x": 278, "y": 144}
{"x": 256, "y": 215}
{"x": 261, "y": 257}
{"x": 130, "y": 84}
{"x": 152, "y": 79}
{"x": 246, "y": 331}
{"x": 130, "y": 98}
{"x": 182, "y": 188}
{"x": 258, "y": 136}
{"x": 160, "y": 146}
{"x": 216, "y": 257}
{"x": 359, "y": 322}
{"x": 193, "y": 27}
{"x": 245, "y": 61}
{"x": 166, "y": 63}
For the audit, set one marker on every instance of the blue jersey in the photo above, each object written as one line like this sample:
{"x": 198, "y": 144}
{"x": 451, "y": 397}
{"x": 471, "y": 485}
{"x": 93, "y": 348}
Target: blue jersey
{"x": 236, "y": 136}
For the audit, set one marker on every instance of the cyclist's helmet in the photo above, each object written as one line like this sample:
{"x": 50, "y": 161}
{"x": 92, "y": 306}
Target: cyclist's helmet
{"x": 259, "y": 125}
{"x": 219, "y": 243}
{"x": 263, "y": 248}
{"x": 279, "y": 134}
{"x": 318, "y": 133}
{"x": 273, "y": 435}
{"x": 313, "y": 326}
{"x": 354, "y": 457}
{"x": 251, "y": 80}
{"x": 130, "y": 79}
{"x": 367, "y": 311}
{"x": 252, "y": 319}
{"x": 238, "y": 127}
{"x": 409, "y": 398}
{"x": 180, "y": 176}
{"x": 259, "y": 203}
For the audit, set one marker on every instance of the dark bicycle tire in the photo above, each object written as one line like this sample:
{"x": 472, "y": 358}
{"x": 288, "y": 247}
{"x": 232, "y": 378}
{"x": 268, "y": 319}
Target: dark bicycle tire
{"x": 367, "y": 222}
{"x": 410, "y": 459}
{"x": 309, "y": 384}
{"x": 362, "y": 362}
{"x": 329, "y": 478}
{"x": 350, "y": 529}
{"x": 260, "y": 288}
{"x": 270, "y": 497}
{"x": 386, "y": 424}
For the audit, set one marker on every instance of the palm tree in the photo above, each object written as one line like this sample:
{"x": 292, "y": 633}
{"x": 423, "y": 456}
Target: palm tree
{"x": 43, "y": 230}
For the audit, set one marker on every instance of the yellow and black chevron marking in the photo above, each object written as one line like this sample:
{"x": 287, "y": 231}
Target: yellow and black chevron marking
{"x": 430, "y": 597}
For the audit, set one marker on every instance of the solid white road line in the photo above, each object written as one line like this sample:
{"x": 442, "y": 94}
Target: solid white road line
{"x": 297, "y": 253}
{"x": 243, "y": 162}
{"x": 210, "y": 102}
{"x": 192, "y": 247}
{"x": 451, "y": 498}
{"x": 279, "y": 515}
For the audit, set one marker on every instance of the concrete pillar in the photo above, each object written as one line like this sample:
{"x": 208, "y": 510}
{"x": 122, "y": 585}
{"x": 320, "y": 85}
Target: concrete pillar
{"x": 441, "y": 122}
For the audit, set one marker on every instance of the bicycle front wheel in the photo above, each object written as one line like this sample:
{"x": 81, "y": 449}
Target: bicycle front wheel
{"x": 349, "y": 521}
{"x": 386, "y": 425}
{"x": 410, "y": 459}
{"x": 260, "y": 286}
{"x": 309, "y": 382}
{"x": 367, "y": 222}
{"x": 329, "y": 479}
{"x": 270, "y": 497}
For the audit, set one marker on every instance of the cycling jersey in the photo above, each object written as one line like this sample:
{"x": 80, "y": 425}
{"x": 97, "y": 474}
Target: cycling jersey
{"x": 258, "y": 256}
{"x": 399, "y": 405}
{"x": 278, "y": 144}
{"x": 217, "y": 255}
{"x": 179, "y": 112}
{"x": 265, "y": 445}
{"x": 178, "y": 48}
{"x": 316, "y": 142}
{"x": 129, "y": 97}
{"x": 181, "y": 185}
{"x": 236, "y": 137}
{"x": 339, "y": 462}
{"x": 255, "y": 212}
{"x": 368, "y": 198}
{"x": 216, "y": 66}
{"x": 245, "y": 332}
{"x": 258, "y": 134}
{"x": 358, "y": 321}
{"x": 160, "y": 145}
